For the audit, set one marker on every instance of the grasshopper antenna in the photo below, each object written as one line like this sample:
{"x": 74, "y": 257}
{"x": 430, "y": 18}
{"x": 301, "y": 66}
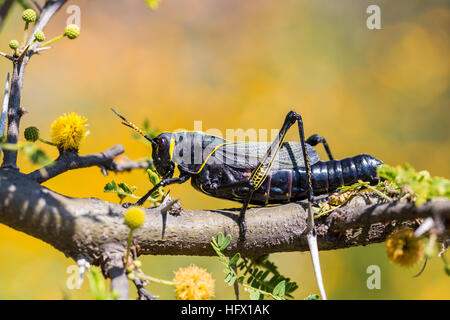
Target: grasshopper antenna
{"x": 133, "y": 126}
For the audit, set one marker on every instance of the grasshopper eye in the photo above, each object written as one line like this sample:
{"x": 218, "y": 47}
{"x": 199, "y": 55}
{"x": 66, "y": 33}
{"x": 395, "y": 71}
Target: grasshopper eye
{"x": 163, "y": 143}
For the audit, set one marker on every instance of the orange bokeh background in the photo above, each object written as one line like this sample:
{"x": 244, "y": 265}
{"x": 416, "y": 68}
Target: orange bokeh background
{"x": 240, "y": 64}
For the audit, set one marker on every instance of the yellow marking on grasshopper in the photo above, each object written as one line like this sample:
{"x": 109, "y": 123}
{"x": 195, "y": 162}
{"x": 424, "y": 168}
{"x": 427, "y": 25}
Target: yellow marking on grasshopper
{"x": 209, "y": 155}
{"x": 172, "y": 148}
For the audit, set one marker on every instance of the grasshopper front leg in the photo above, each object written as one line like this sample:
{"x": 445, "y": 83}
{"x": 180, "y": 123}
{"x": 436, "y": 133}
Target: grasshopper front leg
{"x": 162, "y": 183}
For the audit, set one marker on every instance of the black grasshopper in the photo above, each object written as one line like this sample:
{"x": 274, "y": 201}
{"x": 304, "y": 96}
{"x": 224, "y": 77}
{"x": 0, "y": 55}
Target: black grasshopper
{"x": 254, "y": 173}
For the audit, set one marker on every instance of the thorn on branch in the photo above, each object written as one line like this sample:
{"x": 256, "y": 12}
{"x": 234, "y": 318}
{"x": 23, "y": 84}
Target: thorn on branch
{"x": 426, "y": 225}
{"x": 168, "y": 204}
{"x": 7, "y": 56}
{"x": 37, "y": 50}
{"x": 83, "y": 264}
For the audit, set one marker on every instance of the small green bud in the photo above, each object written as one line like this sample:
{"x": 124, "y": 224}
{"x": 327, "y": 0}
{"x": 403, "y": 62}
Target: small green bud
{"x": 131, "y": 276}
{"x": 31, "y": 134}
{"x": 130, "y": 269}
{"x": 447, "y": 269}
{"x": 137, "y": 263}
{"x": 72, "y": 31}
{"x": 29, "y": 15}
{"x": 39, "y": 36}
{"x": 14, "y": 44}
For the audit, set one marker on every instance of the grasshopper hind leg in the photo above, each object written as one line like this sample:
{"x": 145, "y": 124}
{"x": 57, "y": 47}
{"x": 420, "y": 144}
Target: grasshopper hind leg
{"x": 241, "y": 219}
{"x": 315, "y": 139}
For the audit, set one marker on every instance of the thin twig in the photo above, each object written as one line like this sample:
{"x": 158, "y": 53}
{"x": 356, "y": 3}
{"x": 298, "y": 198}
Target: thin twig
{"x": 4, "y": 107}
{"x": 7, "y": 56}
{"x": 143, "y": 294}
{"x": 125, "y": 166}
{"x": 70, "y": 160}
{"x": 152, "y": 279}
{"x": 38, "y": 6}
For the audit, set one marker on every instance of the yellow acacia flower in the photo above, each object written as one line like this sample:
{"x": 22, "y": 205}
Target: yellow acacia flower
{"x": 68, "y": 131}
{"x": 403, "y": 248}
{"x": 193, "y": 283}
{"x": 134, "y": 218}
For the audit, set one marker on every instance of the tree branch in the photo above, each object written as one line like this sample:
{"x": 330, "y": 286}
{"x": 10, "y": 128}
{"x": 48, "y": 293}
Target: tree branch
{"x": 4, "y": 10}
{"x": 19, "y": 65}
{"x": 125, "y": 166}
{"x": 87, "y": 228}
{"x": 4, "y": 108}
{"x": 47, "y": 12}
{"x": 69, "y": 160}
{"x": 113, "y": 267}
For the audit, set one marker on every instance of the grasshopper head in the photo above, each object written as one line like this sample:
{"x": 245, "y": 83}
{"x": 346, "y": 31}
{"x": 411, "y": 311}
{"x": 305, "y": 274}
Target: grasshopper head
{"x": 162, "y": 158}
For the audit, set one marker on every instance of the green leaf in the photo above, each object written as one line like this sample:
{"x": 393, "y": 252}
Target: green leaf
{"x": 264, "y": 275}
{"x": 36, "y": 155}
{"x": 122, "y": 189}
{"x": 240, "y": 278}
{"x": 155, "y": 179}
{"x": 255, "y": 283}
{"x": 110, "y": 186}
{"x": 225, "y": 243}
{"x": 98, "y": 287}
{"x": 233, "y": 260}
{"x": 230, "y": 278}
{"x": 254, "y": 295}
{"x": 220, "y": 238}
{"x": 153, "y": 176}
{"x": 280, "y": 289}
{"x": 291, "y": 287}
{"x": 125, "y": 188}
{"x": 214, "y": 243}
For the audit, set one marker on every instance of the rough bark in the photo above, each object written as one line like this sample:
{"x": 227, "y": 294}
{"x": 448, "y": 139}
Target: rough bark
{"x": 87, "y": 227}
{"x": 69, "y": 160}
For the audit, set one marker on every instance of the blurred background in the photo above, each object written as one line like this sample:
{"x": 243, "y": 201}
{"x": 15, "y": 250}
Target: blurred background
{"x": 240, "y": 64}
